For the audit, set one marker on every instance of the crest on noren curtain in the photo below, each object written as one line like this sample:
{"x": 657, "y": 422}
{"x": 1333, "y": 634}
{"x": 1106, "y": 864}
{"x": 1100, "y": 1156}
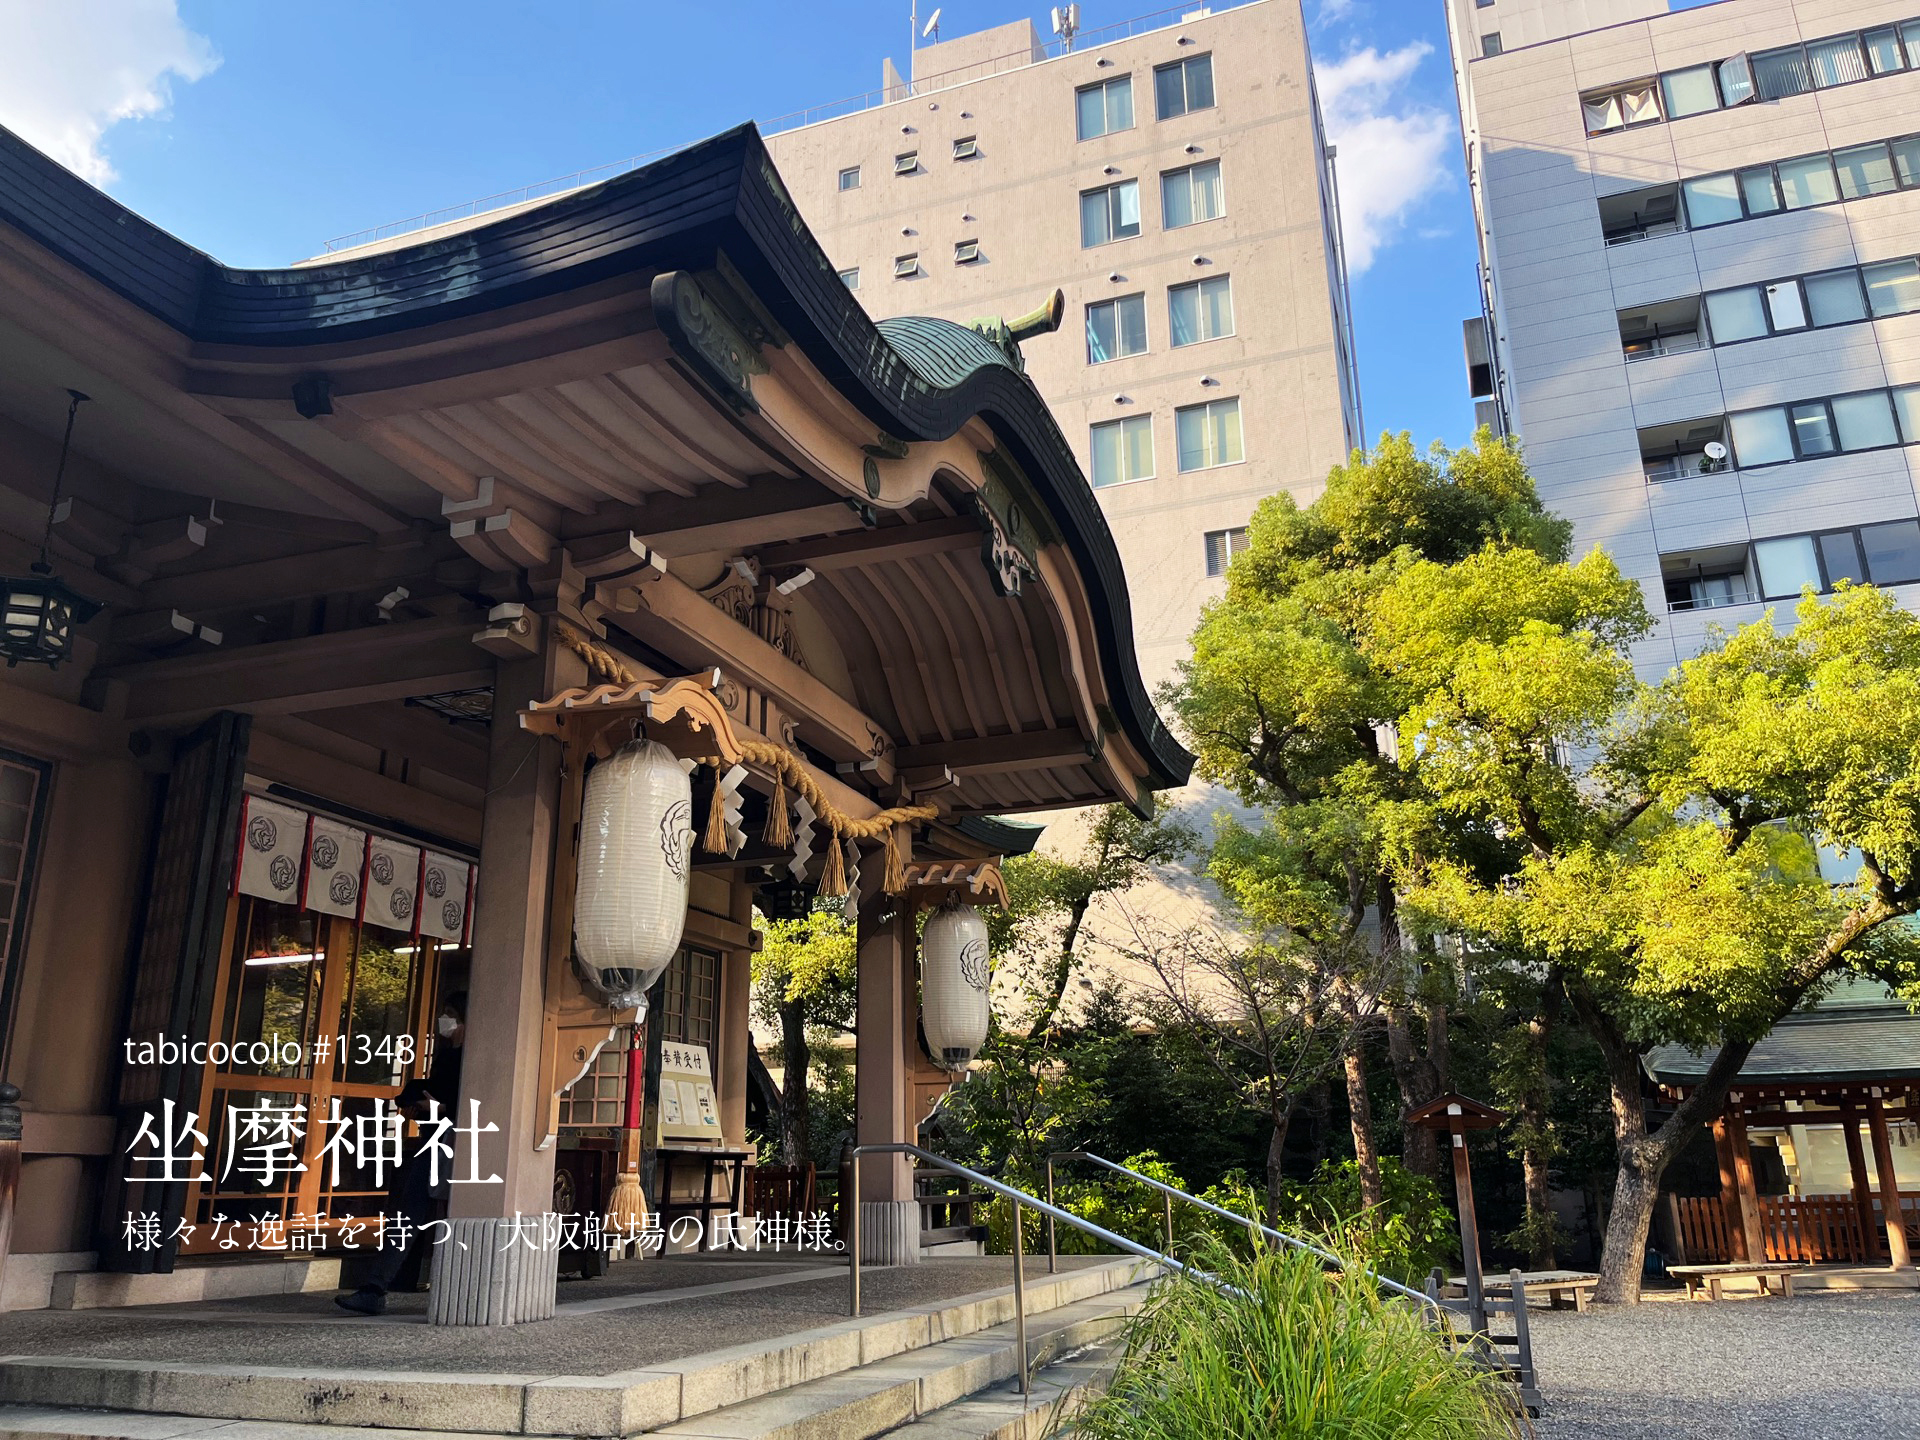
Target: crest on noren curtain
{"x": 443, "y": 897}
{"x": 272, "y": 839}
{"x": 391, "y": 889}
{"x": 335, "y": 858}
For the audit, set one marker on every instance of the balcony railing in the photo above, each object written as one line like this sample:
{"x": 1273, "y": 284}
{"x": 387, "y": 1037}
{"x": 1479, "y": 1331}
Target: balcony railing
{"x": 1682, "y": 467}
{"x": 1711, "y": 599}
{"x": 1676, "y": 344}
{"x": 1627, "y": 234}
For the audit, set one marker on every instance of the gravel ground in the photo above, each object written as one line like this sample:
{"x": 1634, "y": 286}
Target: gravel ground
{"x": 1821, "y": 1366}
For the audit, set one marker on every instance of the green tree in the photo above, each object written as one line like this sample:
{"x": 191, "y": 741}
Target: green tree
{"x": 805, "y": 981}
{"x": 1038, "y": 940}
{"x": 1660, "y": 862}
{"x": 1284, "y": 703}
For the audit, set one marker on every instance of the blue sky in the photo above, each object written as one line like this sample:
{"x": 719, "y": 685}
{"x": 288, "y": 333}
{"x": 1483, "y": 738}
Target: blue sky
{"x": 258, "y": 131}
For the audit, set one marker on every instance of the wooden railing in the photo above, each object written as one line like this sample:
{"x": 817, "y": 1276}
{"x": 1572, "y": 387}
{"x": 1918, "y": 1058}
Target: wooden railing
{"x": 1810, "y": 1229}
{"x": 1815, "y": 1229}
{"x": 1703, "y": 1228}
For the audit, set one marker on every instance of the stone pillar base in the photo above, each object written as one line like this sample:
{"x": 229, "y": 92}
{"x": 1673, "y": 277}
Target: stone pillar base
{"x": 889, "y": 1232}
{"x": 486, "y": 1274}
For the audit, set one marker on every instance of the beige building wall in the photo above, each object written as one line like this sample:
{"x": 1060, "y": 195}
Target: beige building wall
{"x": 1288, "y": 360}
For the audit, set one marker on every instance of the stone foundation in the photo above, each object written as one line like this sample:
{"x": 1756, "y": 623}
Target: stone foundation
{"x": 486, "y": 1273}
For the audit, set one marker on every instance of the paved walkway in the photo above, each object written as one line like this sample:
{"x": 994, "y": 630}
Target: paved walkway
{"x": 1824, "y": 1366}
{"x": 644, "y": 1312}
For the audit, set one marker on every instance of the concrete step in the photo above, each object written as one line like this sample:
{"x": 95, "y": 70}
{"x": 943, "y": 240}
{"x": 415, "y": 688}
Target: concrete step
{"x": 932, "y": 1386}
{"x": 1001, "y": 1412}
{"x": 51, "y": 1422}
{"x": 118, "y": 1392}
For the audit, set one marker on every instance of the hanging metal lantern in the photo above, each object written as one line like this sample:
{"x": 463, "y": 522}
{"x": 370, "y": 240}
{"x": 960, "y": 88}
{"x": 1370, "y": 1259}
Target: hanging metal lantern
{"x": 636, "y": 852}
{"x": 38, "y": 621}
{"x": 953, "y": 984}
{"x": 40, "y": 612}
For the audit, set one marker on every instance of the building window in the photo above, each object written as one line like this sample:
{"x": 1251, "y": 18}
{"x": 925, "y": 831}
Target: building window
{"x": 1122, "y": 450}
{"x": 1636, "y": 104}
{"x": 966, "y": 148}
{"x": 1110, "y": 213}
{"x": 1222, "y": 546}
{"x": 906, "y": 163}
{"x": 1116, "y": 328}
{"x": 690, "y": 1006}
{"x": 1690, "y": 91}
{"x": 905, "y": 266}
{"x": 966, "y": 252}
{"x": 1208, "y": 435}
{"x": 1810, "y": 429}
{"x": 1191, "y": 195}
{"x": 1200, "y": 310}
{"x": 1104, "y": 108}
{"x": 1782, "y": 567}
{"x": 850, "y": 178}
{"x": 850, "y": 277}
{"x": 1182, "y": 86}
{"x": 1490, "y": 44}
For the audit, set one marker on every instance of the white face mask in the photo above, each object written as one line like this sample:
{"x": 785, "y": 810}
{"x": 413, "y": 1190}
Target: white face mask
{"x": 445, "y": 1026}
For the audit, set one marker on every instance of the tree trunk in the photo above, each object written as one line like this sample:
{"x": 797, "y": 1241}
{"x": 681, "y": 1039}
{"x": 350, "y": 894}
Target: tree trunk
{"x": 1535, "y": 1138}
{"x": 1360, "y": 1112}
{"x": 1062, "y": 969}
{"x": 796, "y": 1129}
{"x": 1413, "y": 1073}
{"x": 1644, "y": 1156}
{"x": 1276, "y": 1148}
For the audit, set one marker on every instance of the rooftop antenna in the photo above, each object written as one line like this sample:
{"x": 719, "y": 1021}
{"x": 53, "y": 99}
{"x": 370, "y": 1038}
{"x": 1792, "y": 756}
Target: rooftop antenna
{"x": 932, "y": 29}
{"x": 1066, "y": 24}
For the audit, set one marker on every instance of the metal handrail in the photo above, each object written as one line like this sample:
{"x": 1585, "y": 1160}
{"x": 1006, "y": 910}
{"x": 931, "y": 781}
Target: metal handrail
{"x": 1169, "y": 1194}
{"x": 1019, "y": 1198}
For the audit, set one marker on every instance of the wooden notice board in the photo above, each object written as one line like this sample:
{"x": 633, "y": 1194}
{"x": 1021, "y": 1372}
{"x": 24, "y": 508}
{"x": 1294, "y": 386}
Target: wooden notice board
{"x": 688, "y": 1109}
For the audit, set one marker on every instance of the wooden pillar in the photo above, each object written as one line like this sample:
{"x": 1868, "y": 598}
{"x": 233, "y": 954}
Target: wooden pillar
{"x": 1729, "y": 1190}
{"x": 1889, "y": 1186}
{"x": 1469, "y": 1221}
{"x": 1867, "y": 1249}
{"x": 1738, "y": 1194}
{"x": 883, "y": 1074}
{"x": 482, "y": 1284}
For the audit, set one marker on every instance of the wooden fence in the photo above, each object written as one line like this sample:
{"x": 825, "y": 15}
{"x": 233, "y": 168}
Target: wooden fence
{"x": 1810, "y": 1229}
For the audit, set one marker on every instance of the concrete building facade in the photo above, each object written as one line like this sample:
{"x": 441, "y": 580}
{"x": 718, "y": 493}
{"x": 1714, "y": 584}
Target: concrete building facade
{"x": 1170, "y": 176}
{"x": 1699, "y": 234}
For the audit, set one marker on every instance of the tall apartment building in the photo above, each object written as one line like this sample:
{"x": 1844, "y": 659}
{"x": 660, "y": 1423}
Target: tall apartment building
{"x": 1172, "y": 178}
{"x": 1700, "y": 234}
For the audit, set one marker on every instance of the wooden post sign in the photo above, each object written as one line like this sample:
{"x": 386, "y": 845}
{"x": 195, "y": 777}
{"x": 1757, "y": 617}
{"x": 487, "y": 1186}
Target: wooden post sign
{"x": 1456, "y": 1115}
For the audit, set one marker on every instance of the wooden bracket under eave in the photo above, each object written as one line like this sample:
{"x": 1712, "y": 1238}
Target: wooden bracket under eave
{"x": 978, "y": 882}
{"x": 684, "y": 714}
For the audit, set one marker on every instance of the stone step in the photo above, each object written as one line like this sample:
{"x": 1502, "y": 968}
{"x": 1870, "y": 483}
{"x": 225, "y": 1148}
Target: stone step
{"x": 1001, "y": 1412}
{"x": 59, "y": 1422}
{"x": 619, "y": 1404}
{"x": 925, "y": 1386}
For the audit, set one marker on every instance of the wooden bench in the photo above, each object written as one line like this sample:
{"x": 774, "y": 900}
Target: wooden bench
{"x": 1711, "y": 1277}
{"x": 1563, "y": 1288}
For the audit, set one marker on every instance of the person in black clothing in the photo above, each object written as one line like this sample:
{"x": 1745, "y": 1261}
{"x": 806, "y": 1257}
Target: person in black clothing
{"x": 414, "y": 1194}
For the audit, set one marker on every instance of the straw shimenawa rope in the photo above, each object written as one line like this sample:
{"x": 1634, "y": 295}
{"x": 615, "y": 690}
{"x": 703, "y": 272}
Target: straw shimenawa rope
{"x": 788, "y": 770}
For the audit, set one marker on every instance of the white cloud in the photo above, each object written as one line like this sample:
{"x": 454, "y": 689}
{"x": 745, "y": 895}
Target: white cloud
{"x": 70, "y": 70}
{"x": 1391, "y": 149}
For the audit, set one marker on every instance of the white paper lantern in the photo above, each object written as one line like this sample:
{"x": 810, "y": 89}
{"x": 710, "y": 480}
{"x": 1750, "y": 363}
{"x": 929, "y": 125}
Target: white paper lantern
{"x": 953, "y": 985}
{"x": 636, "y": 851}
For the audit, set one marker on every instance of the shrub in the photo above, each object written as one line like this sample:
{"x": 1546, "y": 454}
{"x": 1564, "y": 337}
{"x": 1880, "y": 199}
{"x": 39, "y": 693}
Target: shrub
{"x": 1123, "y": 1206}
{"x": 1411, "y": 1232}
{"x": 1298, "y": 1352}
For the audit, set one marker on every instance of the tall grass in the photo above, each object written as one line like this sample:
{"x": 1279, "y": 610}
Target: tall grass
{"x": 1299, "y": 1352}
